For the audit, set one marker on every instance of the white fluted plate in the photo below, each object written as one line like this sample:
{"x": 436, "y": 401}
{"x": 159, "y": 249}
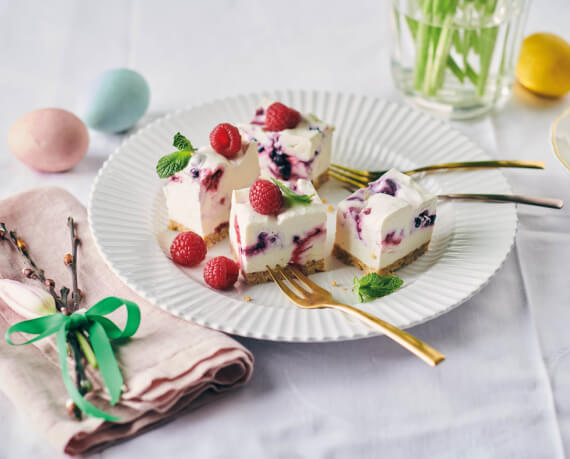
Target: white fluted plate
{"x": 470, "y": 241}
{"x": 560, "y": 138}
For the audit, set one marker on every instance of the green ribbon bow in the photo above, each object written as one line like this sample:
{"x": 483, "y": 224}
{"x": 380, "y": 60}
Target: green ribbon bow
{"x": 100, "y": 330}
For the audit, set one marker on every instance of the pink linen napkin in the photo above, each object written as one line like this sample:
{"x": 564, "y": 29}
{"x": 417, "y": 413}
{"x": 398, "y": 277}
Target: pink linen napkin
{"x": 168, "y": 366}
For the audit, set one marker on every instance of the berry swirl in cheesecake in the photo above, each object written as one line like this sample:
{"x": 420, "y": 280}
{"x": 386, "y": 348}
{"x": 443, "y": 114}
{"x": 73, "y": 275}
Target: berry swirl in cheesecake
{"x": 386, "y": 225}
{"x": 198, "y": 196}
{"x": 269, "y": 229}
{"x": 291, "y": 145}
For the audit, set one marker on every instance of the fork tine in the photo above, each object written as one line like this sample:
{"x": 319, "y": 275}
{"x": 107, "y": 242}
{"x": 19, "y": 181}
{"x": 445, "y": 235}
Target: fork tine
{"x": 354, "y": 172}
{"x": 350, "y": 188}
{"x": 286, "y": 290}
{"x": 356, "y": 183}
{"x": 292, "y": 281}
{"x": 350, "y": 175}
{"x": 303, "y": 278}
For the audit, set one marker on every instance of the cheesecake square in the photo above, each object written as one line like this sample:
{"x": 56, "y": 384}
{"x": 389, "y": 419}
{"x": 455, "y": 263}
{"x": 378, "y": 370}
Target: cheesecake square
{"x": 198, "y": 198}
{"x": 303, "y": 152}
{"x": 385, "y": 226}
{"x": 295, "y": 235}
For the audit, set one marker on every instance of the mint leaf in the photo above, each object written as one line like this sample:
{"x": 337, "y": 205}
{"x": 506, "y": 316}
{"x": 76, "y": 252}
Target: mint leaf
{"x": 291, "y": 196}
{"x": 374, "y": 286}
{"x": 182, "y": 143}
{"x": 174, "y": 162}
{"x": 170, "y": 164}
{"x": 356, "y": 289}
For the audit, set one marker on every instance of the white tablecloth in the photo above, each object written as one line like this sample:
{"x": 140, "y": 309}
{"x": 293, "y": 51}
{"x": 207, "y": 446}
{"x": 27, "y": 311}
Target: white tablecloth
{"x": 504, "y": 390}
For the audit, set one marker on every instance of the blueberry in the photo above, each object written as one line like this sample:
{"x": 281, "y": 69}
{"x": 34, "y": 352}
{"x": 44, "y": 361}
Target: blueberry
{"x": 258, "y": 247}
{"x": 417, "y": 222}
{"x": 281, "y": 160}
{"x": 285, "y": 171}
{"x": 277, "y": 157}
{"x": 385, "y": 186}
{"x": 390, "y": 187}
{"x": 260, "y": 149}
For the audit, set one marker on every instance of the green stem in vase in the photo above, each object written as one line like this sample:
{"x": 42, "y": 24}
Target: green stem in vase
{"x": 456, "y": 39}
{"x": 450, "y": 61}
{"x": 413, "y": 26}
{"x": 455, "y": 69}
{"x": 435, "y": 33}
{"x": 437, "y": 13}
{"x": 487, "y": 40}
{"x": 442, "y": 52}
{"x": 501, "y": 71}
{"x": 474, "y": 41}
{"x": 471, "y": 74}
{"x": 464, "y": 51}
{"x": 422, "y": 44}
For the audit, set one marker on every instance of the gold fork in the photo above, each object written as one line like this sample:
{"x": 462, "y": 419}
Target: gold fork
{"x": 353, "y": 184}
{"x": 312, "y": 296}
{"x": 370, "y": 176}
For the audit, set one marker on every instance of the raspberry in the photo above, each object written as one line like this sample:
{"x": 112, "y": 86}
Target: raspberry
{"x": 281, "y": 117}
{"x": 221, "y": 272}
{"x": 265, "y": 197}
{"x": 226, "y": 140}
{"x": 188, "y": 249}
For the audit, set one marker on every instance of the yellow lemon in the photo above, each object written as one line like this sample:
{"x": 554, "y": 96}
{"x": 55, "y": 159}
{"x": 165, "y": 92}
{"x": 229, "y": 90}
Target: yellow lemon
{"x": 544, "y": 64}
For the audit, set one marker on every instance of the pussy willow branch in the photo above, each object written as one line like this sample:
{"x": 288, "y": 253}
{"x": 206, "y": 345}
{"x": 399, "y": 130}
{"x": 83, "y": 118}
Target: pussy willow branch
{"x": 62, "y": 301}
{"x": 21, "y": 247}
{"x": 34, "y": 272}
{"x": 64, "y": 292}
{"x": 79, "y": 369}
{"x": 75, "y": 296}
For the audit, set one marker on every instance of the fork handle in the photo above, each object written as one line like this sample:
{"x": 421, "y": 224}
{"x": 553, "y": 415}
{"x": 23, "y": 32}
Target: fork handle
{"x": 424, "y": 351}
{"x": 551, "y": 203}
{"x": 480, "y": 165}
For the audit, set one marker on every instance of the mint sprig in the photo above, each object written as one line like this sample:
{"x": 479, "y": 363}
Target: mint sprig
{"x": 290, "y": 196}
{"x": 168, "y": 165}
{"x": 374, "y": 286}
{"x": 182, "y": 143}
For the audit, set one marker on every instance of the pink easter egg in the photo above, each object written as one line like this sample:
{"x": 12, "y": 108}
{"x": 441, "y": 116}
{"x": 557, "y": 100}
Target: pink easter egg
{"x": 49, "y": 139}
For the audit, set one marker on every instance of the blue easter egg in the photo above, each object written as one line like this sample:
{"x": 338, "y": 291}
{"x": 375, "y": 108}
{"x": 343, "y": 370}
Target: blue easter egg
{"x": 117, "y": 99}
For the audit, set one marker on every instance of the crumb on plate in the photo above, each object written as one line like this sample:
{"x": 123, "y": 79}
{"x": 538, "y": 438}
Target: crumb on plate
{"x": 246, "y": 298}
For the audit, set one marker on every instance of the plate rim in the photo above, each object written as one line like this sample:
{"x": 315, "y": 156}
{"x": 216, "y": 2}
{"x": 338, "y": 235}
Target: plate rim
{"x": 261, "y": 336}
{"x": 553, "y": 135}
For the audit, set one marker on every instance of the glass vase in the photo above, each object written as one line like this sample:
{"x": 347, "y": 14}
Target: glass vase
{"x": 456, "y": 57}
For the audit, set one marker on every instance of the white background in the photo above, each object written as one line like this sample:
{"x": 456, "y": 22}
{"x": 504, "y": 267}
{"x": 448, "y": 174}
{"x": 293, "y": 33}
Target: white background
{"x": 504, "y": 390}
